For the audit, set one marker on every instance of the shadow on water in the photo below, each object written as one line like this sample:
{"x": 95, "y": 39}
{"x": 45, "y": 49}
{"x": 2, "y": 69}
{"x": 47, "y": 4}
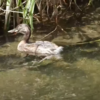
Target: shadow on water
{"x": 10, "y": 61}
{"x": 89, "y": 51}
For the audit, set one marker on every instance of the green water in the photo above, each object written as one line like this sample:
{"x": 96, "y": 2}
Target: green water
{"x": 75, "y": 77}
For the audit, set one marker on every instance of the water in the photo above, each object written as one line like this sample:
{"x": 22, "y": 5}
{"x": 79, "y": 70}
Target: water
{"x": 75, "y": 77}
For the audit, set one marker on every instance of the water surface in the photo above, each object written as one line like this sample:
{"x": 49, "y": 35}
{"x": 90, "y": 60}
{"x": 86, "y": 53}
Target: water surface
{"x": 75, "y": 77}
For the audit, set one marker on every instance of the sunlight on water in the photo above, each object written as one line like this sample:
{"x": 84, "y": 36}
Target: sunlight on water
{"x": 75, "y": 77}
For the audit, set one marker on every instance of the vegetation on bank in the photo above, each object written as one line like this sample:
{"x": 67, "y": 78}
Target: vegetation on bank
{"x": 14, "y": 12}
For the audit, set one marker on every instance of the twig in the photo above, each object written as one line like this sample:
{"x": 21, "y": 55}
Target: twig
{"x": 54, "y": 31}
{"x": 10, "y": 11}
{"x": 21, "y": 13}
{"x": 62, "y": 29}
{"x": 70, "y": 4}
{"x": 49, "y": 33}
{"x": 77, "y": 5}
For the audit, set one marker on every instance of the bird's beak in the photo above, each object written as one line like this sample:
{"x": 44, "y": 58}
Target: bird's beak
{"x": 15, "y": 31}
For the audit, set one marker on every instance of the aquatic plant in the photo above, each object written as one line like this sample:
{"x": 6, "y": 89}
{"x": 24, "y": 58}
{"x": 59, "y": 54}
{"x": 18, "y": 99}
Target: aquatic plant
{"x": 41, "y": 11}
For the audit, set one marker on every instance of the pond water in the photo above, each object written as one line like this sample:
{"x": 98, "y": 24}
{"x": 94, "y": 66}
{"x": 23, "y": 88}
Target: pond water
{"x": 75, "y": 77}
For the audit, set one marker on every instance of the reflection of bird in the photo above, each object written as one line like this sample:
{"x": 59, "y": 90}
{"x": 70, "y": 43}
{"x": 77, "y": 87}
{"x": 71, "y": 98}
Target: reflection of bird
{"x": 39, "y": 48}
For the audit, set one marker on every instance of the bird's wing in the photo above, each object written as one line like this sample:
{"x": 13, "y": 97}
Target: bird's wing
{"x": 41, "y": 50}
{"x": 29, "y": 48}
{"x": 46, "y": 44}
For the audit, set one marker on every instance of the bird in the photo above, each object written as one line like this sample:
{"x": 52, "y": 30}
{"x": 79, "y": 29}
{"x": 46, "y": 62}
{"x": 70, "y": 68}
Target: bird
{"x": 45, "y": 49}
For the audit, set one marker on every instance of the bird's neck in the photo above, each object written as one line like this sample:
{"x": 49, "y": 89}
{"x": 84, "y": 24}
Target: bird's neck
{"x": 21, "y": 45}
{"x": 26, "y": 36}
